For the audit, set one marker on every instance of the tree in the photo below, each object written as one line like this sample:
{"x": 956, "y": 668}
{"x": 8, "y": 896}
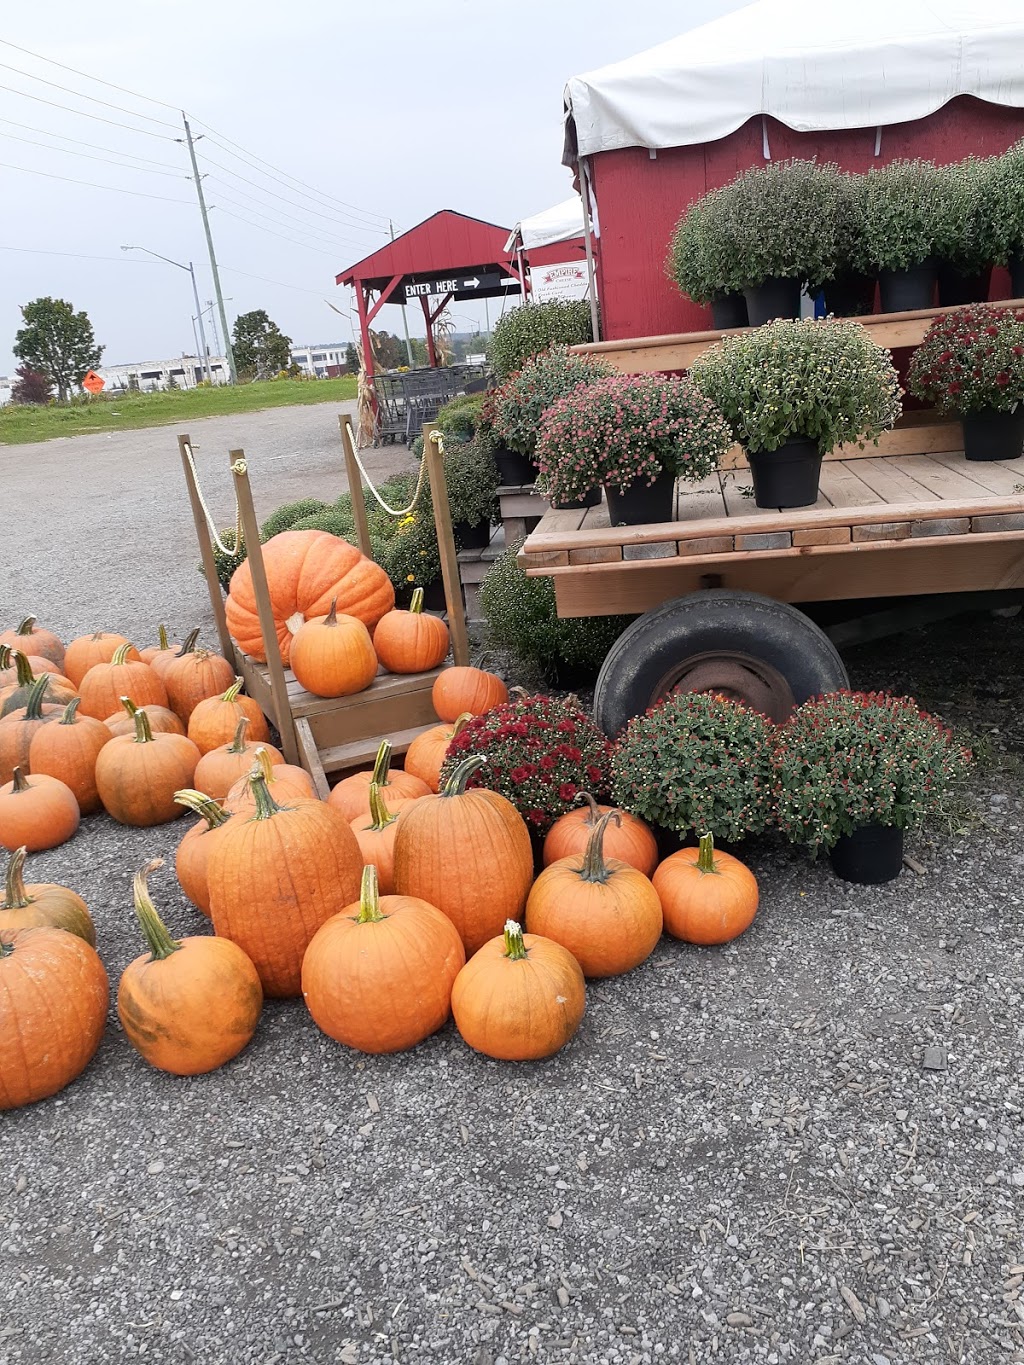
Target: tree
{"x": 388, "y": 351}
{"x": 351, "y": 358}
{"x": 261, "y": 349}
{"x": 58, "y": 342}
{"x": 31, "y": 386}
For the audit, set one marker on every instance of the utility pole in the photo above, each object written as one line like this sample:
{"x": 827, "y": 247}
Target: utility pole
{"x": 213, "y": 324}
{"x": 213, "y": 258}
{"x": 405, "y": 320}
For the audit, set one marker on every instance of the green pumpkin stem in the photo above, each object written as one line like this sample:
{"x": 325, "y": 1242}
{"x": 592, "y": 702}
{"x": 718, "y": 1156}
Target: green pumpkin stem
{"x": 15, "y": 895}
{"x": 460, "y": 722}
{"x": 34, "y": 704}
{"x": 416, "y": 604}
{"x": 706, "y": 857}
{"x": 160, "y": 943}
{"x": 369, "y": 897}
{"x": 25, "y": 675}
{"x": 381, "y": 764}
{"x": 595, "y": 810}
{"x": 5, "y": 657}
{"x": 18, "y": 781}
{"x": 189, "y": 643}
{"x": 25, "y": 627}
{"x": 380, "y": 816}
{"x": 331, "y": 619}
{"x": 163, "y": 644}
{"x": 143, "y": 729}
{"x": 266, "y": 806}
{"x": 121, "y": 653}
{"x": 515, "y": 948}
{"x": 232, "y": 693}
{"x": 594, "y": 868}
{"x": 263, "y": 759}
{"x": 238, "y": 744}
{"x": 68, "y": 718}
{"x": 456, "y": 784}
{"x": 129, "y": 706}
{"x": 212, "y": 811}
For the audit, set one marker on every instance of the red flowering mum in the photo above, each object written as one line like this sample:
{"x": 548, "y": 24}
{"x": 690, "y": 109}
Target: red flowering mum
{"x": 971, "y": 359}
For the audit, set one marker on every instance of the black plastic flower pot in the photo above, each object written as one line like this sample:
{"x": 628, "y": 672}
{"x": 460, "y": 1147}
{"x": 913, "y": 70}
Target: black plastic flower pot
{"x": 591, "y": 499}
{"x": 772, "y": 299}
{"x": 787, "y": 477}
{"x": 1017, "y": 276}
{"x": 514, "y": 469}
{"x": 641, "y": 503}
{"x": 729, "y": 310}
{"x": 906, "y": 291}
{"x": 850, "y": 296}
{"x": 433, "y": 595}
{"x": 472, "y": 537}
{"x": 957, "y": 287}
{"x": 991, "y": 435}
{"x": 869, "y": 856}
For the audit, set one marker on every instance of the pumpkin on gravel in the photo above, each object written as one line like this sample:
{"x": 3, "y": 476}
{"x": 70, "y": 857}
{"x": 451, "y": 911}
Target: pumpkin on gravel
{"x": 352, "y": 794}
{"x": 32, "y": 639}
{"x": 18, "y": 729}
{"x": 9, "y": 665}
{"x": 215, "y": 719}
{"x": 461, "y": 688}
{"x": 193, "y": 855}
{"x": 333, "y": 655}
{"x": 57, "y": 690}
{"x": 162, "y": 720}
{"x": 707, "y": 897}
{"x": 69, "y": 749}
{"x": 161, "y": 653}
{"x": 89, "y": 650}
{"x": 286, "y": 782}
{"x": 375, "y": 834}
{"x": 105, "y": 684}
{"x": 631, "y": 841}
{"x": 411, "y": 641}
{"x": 35, "y": 905}
{"x": 137, "y": 775}
{"x": 38, "y": 811}
{"x": 426, "y": 754}
{"x": 305, "y": 571}
{"x": 193, "y": 675}
{"x": 219, "y": 770}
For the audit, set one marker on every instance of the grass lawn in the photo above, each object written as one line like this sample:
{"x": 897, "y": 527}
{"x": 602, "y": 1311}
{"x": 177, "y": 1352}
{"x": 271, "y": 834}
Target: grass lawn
{"x": 20, "y": 424}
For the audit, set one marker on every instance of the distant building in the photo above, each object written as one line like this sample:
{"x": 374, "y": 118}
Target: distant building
{"x": 151, "y": 375}
{"x": 324, "y": 361}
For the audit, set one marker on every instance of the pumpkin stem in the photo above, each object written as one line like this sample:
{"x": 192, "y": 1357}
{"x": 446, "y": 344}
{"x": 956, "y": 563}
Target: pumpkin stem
{"x": 25, "y": 675}
{"x": 515, "y": 948}
{"x": 15, "y": 895}
{"x": 6, "y": 949}
{"x": 129, "y": 706}
{"x": 232, "y": 693}
{"x": 520, "y": 693}
{"x": 5, "y": 656}
{"x": 238, "y": 745}
{"x": 163, "y": 642}
{"x": 381, "y": 764}
{"x": 143, "y": 729}
{"x": 456, "y": 784}
{"x": 380, "y": 816}
{"x": 331, "y": 619}
{"x": 266, "y": 806}
{"x": 68, "y": 718}
{"x": 212, "y": 811}
{"x": 595, "y": 810}
{"x": 121, "y": 653}
{"x": 18, "y": 782}
{"x": 460, "y": 723}
{"x": 34, "y": 705}
{"x": 594, "y": 868}
{"x": 706, "y": 858}
{"x": 161, "y": 944}
{"x": 189, "y": 643}
{"x": 263, "y": 759}
{"x": 416, "y": 604}
{"x": 369, "y": 897}
{"x": 25, "y": 627}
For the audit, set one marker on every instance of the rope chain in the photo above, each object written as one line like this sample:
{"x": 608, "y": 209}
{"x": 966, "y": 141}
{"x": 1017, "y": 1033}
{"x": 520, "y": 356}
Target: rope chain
{"x": 395, "y": 511}
{"x": 211, "y": 524}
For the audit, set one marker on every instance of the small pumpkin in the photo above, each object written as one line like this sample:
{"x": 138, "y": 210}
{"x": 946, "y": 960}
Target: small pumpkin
{"x": 460, "y": 688}
{"x": 137, "y": 775}
{"x": 42, "y": 904}
{"x": 378, "y": 977}
{"x": 352, "y": 794}
{"x": 427, "y": 752}
{"x": 9, "y": 666}
{"x": 38, "y": 811}
{"x": 89, "y": 650}
{"x": 18, "y": 729}
{"x": 190, "y": 1004}
{"x": 707, "y": 897}
{"x": 285, "y": 781}
{"x": 69, "y": 750}
{"x": 57, "y": 691}
{"x": 105, "y": 684}
{"x": 53, "y": 1009}
{"x": 32, "y": 639}
{"x": 520, "y": 997}
{"x": 604, "y": 911}
{"x": 631, "y": 841}
{"x": 218, "y": 771}
{"x": 468, "y": 853}
{"x": 193, "y": 855}
{"x": 162, "y": 720}
{"x": 160, "y": 654}
{"x": 214, "y": 720}
{"x": 193, "y": 675}
{"x": 411, "y": 641}
{"x": 375, "y": 834}
{"x": 333, "y": 656}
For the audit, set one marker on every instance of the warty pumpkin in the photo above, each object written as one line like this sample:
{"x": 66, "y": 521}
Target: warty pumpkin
{"x": 375, "y": 834}
{"x": 468, "y": 853}
{"x": 162, "y": 720}
{"x": 160, "y": 654}
{"x": 460, "y": 688}
{"x": 631, "y": 842}
{"x": 520, "y": 997}
{"x": 31, "y": 639}
{"x": 68, "y": 749}
{"x": 18, "y": 729}
{"x": 604, "y": 911}
{"x": 38, "y": 811}
{"x": 193, "y": 675}
{"x": 57, "y": 690}
{"x": 188, "y": 1005}
{"x": 707, "y": 897}
{"x": 53, "y": 1009}
{"x": 352, "y": 794}
{"x": 218, "y": 771}
{"x": 333, "y": 656}
{"x": 285, "y": 781}
{"x": 276, "y": 877}
{"x": 137, "y": 775}
{"x": 88, "y": 650}
{"x": 411, "y": 641}
{"x": 193, "y": 855}
{"x": 305, "y": 570}
{"x": 427, "y": 752}
{"x": 105, "y": 684}
{"x": 41, "y": 904}
{"x": 214, "y": 720}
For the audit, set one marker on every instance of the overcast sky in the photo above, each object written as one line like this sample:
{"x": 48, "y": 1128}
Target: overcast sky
{"x": 396, "y": 108}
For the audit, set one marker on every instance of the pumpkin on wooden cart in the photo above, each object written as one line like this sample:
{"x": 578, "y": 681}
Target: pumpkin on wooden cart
{"x": 35, "y": 905}
{"x": 333, "y": 655}
{"x": 462, "y": 688}
{"x": 88, "y": 650}
{"x": 138, "y": 774}
{"x": 352, "y": 794}
{"x": 37, "y": 811}
{"x": 631, "y": 839}
{"x": 411, "y": 641}
{"x": 68, "y": 750}
{"x": 707, "y": 897}
{"x": 218, "y": 771}
{"x": 19, "y": 727}
{"x": 105, "y": 684}
{"x": 215, "y": 719}
{"x": 30, "y": 638}
{"x": 426, "y": 754}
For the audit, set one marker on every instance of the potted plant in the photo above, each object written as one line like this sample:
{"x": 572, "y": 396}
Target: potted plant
{"x": 853, "y": 770}
{"x": 518, "y": 405}
{"x": 636, "y": 434}
{"x": 792, "y": 392}
{"x": 966, "y": 232}
{"x": 971, "y": 363}
{"x": 897, "y": 232}
{"x": 472, "y": 478}
{"x": 701, "y": 263}
{"x": 526, "y": 331}
{"x": 848, "y": 290}
{"x": 1005, "y": 190}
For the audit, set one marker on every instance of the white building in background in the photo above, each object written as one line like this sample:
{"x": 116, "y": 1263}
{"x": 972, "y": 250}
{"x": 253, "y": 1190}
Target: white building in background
{"x": 151, "y": 375}
{"x": 320, "y": 361}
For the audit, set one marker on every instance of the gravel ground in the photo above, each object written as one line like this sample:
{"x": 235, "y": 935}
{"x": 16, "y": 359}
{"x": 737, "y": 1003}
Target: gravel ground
{"x": 802, "y": 1147}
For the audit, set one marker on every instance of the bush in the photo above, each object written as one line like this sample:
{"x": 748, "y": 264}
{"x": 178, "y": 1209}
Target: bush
{"x": 285, "y": 517}
{"x": 899, "y": 216}
{"x": 460, "y": 416}
{"x": 472, "y": 479}
{"x": 226, "y": 563}
{"x": 532, "y": 328}
{"x": 971, "y": 359}
{"x": 336, "y": 521}
{"x": 701, "y": 262}
{"x": 522, "y": 618}
{"x": 967, "y": 232}
{"x": 31, "y": 386}
{"x": 517, "y": 407}
{"x": 1004, "y": 190}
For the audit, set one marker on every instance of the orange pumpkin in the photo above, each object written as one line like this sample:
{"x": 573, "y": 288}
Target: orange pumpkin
{"x": 276, "y": 877}
{"x": 193, "y": 855}
{"x": 89, "y": 650}
{"x": 520, "y": 998}
{"x": 9, "y": 666}
{"x": 332, "y": 655}
{"x": 707, "y": 897}
{"x": 218, "y": 771}
{"x": 42, "y": 904}
{"x": 53, "y": 1009}
{"x": 427, "y": 752}
{"x": 378, "y": 977}
{"x": 468, "y": 853}
{"x": 105, "y": 684}
{"x": 35, "y": 640}
{"x": 137, "y": 775}
{"x": 375, "y": 834}
{"x": 631, "y": 841}
{"x": 352, "y": 794}
{"x": 461, "y": 689}
{"x": 159, "y": 655}
{"x": 38, "y": 811}
{"x": 18, "y": 729}
{"x": 214, "y": 720}
{"x": 605, "y": 912}
{"x": 162, "y": 720}
{"x": 68, "y": 750}
{"x": 285, "y": 781}
{"x": 188, "y": 1005}
{"x": 411, "y": 641}
{"x": 305, "y": 571}
{"x": 57, "y": 690}
{"x": 193, "y": 675}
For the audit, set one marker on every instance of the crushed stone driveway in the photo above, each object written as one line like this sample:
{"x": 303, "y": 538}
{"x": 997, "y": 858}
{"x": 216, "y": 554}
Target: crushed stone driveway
{"x": 803, "y": 1147}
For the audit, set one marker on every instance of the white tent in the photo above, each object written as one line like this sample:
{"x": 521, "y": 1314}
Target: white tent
{"x": 811, "y": 64}
{"x": 562, "y": 223}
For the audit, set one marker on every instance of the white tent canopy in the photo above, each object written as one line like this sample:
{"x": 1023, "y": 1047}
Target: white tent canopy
{"x": 811, "y": 64}
{"x": 561, "y": 223}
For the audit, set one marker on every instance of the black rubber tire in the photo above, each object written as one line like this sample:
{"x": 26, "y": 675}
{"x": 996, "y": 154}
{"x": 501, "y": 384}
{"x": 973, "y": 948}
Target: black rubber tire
{"x": 702, "y": 622}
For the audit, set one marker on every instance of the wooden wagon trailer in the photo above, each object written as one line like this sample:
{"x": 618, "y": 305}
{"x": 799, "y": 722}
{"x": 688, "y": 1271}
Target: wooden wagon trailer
{"x": 728, "y": 590}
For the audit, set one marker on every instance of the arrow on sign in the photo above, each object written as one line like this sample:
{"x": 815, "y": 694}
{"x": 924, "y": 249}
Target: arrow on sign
{"x": 470, "y": 284}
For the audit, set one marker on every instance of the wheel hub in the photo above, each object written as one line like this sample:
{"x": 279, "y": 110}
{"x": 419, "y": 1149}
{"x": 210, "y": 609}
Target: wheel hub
{"x": 733, "y": 674}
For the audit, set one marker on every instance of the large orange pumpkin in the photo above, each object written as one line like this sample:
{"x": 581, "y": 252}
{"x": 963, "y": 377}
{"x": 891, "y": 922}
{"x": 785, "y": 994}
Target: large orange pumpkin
{"x": 162, "y": 720}
{"x": 352, "y": 794}
{"x": 38, "y": 811}
{"x": 332, "y": 655}
{"x": 707, "y": 897}
{"x": 53, "y": 1009}
{"x": 215, "y": 719}
{"x": 17, "y": 730}
{"x": 604, "y": 911}
{"x": 105, "y": 684}
{"x": 218, "y": 771}
{"x": 631, "y": 841}
{"x": 375, "y": 834}
{"x": 285, "y": 781}
{"x": 305, "y": 570}
{"x": 88, "y": 650}
{"x": 461, "y": 689}
{"x": 378, "y": 977}
{"x": 42, "y": 904}
{"x": 411, "y": 641}
{"x": 69, "y": 750}
{"x": 468, "y": 853}
{"x": 32, "y": 639}
{"x": 57, "y": 690}
{"x": 193, "y": 855}
{"x": 520, "y": 998}
{"x": 276, "y": 877}
{"x": 427, "y": 752}
{"x": 137, "y": 775}
{"x": 192, "y": 676}
{"x": 190, "y": 1004}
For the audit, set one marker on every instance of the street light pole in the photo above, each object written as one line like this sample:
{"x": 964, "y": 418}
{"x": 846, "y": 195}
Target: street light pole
{"x": 204, "y": 358}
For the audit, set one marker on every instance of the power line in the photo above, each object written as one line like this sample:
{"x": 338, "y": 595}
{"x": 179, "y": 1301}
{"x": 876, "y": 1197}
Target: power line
{"x": 74, "y": 70}
{"x": 67, "y": 151}
{"x": 139, "y": 194}
{"x": 333, "y": 255}
{"x": 96, "y": 147}
{"x": 55, "y": 85}
{"x": 78, "y": 255}
{"x": 319, "y": 234}
{"x": 263, "y": 280}
{"x": 82, "y": 113}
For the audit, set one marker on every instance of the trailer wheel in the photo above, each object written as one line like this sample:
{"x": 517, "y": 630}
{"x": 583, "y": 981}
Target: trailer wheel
{"x": 752, "y": 648}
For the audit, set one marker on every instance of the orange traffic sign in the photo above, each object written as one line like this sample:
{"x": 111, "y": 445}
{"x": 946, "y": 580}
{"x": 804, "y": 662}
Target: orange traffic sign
{"x": 93, "y": 382}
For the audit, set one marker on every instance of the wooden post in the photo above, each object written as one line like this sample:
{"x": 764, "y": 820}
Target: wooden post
{"x": 355, "y": 483}
{"x": 206, "y": 550}
{"x": 446, "y": 544}
{"x": 278, "y": 682}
